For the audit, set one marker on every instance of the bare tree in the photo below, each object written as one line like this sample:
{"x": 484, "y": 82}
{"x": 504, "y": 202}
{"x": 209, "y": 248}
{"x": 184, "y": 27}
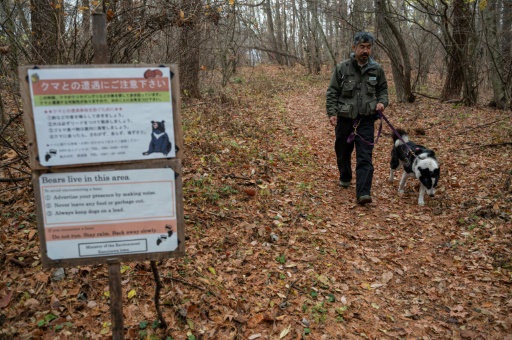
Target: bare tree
{"x": 397, "y": 51}
{"x": 47, "y": 20}
{"x": 457, "y": 33}
{"x": 190, "y": 38}
{"x": 500, "y": 80}
{"x": 271, "y": 33}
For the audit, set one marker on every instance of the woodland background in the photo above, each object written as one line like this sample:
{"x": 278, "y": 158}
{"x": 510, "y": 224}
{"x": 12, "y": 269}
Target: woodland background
{"x": 274, "y": 248}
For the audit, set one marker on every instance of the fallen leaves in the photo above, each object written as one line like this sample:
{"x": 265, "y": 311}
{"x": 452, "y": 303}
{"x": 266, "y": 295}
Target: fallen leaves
{"x": 386, "y": 277}
{"x": 4, "y": 302}
{"x": 458, "y": 311}
{"x": 394, "y": 269}
{"x": 250, "y": 191}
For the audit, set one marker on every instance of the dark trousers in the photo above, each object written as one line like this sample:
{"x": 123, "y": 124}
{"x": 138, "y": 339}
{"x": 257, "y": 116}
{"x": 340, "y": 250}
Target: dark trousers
{"x": 364, "y": 166}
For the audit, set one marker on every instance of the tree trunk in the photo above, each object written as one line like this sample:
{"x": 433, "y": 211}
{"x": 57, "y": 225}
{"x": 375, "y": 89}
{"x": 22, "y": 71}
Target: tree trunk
{"x": 272, "y": 34}
{"x": 47, "y": 28}
{"x": 189, "y": 45}
{"x": 321, "y": 33}
{"x": 507, "y": 29}
{"x": 396, "y": 49}
{"x": 228, "y": 50}
{"x": 280, "y": 32}
{"x": 501, "y": 97}
{"x": 457, "y": 47}
{"x": 314, "y": 40}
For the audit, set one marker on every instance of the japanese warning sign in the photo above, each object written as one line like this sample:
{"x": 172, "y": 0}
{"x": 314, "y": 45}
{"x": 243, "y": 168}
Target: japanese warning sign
{"x": 98, "y": 115}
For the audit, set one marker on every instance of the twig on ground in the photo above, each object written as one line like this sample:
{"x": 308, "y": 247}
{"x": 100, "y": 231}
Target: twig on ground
{"x": 284, "y": 303}
{"x": 426, "y": 96}
{"x": 20, "y": 155}
{"x": 233, "y": 176}
{"x": 481, "y": 125}
{"x": 11, "y": 180}
{"x": 158, "y": 287}
{"x": 483, "y": 146}
{"x": 184, "y": 282}
{"x": 18, "y": 262}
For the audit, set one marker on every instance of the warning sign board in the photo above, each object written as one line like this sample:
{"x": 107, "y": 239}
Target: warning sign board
{"x": 105, "y": 145}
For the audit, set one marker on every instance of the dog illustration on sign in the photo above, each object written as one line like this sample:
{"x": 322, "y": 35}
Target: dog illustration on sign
{"x": 169, "y": 230}
{"x": 159, "y": 139}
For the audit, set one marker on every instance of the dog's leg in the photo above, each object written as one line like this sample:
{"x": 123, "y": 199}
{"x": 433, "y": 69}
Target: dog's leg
{"x": 391, "y": 173}
{"x": 422, "y": 195}
{"x": 401, "y": 187}
{"x": 393, "y": 164}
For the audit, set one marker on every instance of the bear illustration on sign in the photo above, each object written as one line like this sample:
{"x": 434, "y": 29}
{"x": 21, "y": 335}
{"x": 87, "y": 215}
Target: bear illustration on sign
{"x": 159, "y": 139}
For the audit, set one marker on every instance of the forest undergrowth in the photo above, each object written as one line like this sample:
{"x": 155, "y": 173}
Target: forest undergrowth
{"x": 275, "y": 249}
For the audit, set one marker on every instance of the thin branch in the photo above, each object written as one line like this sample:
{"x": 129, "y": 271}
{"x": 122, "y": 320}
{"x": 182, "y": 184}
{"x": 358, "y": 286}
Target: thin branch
{"x": 426, "y": 96}
{"x": 159, "y": 286}
{"x": 484, "y": 146}
{"x": 11, "y": 180}
{"x": 18, "y": 262}
{"x": 22, "y": 157}
{"x": 9, "y": 122}
{"x": 172, "y": 278}
{"x": 273, "y": 51}
{"x": 481, "y": 125}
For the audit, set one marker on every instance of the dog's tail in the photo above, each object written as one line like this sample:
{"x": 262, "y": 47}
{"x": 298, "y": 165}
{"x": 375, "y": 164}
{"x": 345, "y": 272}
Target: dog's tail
{"x": 402, "y": 133}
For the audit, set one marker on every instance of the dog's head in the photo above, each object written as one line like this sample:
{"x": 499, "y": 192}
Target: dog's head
{"x": 427, "y": 170}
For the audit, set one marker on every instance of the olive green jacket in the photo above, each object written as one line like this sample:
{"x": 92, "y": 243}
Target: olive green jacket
{"x": 356, "y": 90}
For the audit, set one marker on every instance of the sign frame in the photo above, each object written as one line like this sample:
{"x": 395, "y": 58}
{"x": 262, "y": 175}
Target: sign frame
{"x": 38, "y": 169}
{"x": 32, "y": 143}
{"x": 175, "y": 165}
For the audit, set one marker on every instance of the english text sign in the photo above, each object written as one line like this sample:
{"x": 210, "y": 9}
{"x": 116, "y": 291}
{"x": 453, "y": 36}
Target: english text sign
{"x": 109, "y": 213}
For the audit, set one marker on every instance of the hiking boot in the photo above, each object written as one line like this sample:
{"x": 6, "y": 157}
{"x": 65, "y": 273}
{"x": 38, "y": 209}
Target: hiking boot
{"x": 364, "y": 199}
{"x": 344, "y": 184}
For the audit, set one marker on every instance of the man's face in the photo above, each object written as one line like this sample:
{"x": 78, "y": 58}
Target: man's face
{"x": 363, "y": 50}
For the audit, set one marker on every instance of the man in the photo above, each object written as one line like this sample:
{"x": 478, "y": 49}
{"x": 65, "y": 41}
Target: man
{"x": 357, "y": 90}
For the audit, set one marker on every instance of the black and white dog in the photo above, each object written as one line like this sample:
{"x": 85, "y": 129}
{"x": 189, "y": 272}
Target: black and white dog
{"x": 418, "y": 162}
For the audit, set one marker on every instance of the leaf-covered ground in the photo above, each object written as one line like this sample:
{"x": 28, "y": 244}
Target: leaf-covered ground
{"x": 276, "y": 249}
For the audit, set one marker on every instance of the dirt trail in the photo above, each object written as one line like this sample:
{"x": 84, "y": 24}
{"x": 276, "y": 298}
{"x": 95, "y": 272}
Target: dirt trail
{"x": 410, "y": 271}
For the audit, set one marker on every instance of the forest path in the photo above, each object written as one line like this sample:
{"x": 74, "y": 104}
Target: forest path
{"x": 417, "y": 271}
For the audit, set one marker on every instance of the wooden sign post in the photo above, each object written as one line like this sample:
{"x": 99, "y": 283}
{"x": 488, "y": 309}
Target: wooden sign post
{"x": 99, "y": 43}
{"x": 105, "y": 147}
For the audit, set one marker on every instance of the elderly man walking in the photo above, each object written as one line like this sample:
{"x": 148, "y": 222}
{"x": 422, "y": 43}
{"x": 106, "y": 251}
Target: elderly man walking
{"x": 358, "y": 89}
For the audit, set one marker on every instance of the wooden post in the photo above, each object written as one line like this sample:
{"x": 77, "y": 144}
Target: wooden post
{"x": 116, "y": 299}
{"x": 99, "y": 44}
{"x": 99, "y": 38}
